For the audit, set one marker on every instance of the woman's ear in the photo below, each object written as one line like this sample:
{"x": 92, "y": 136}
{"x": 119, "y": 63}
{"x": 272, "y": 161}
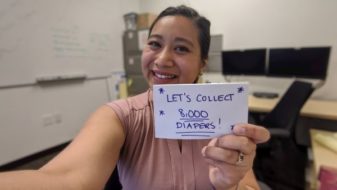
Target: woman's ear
{"x": 204, "y": 64}
{"x": 202, "y": 69}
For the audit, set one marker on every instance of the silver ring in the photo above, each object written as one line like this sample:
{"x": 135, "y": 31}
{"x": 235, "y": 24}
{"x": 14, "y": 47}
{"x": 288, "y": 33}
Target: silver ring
{"x": 241, "y": 157}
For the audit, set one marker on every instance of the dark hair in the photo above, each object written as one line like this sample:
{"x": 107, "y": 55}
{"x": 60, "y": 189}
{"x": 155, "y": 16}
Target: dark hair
{"x": 202, "y": 23}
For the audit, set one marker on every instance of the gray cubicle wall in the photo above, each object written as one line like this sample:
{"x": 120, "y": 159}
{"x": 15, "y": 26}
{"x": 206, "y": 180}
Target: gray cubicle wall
{"x": 214, "y": 55}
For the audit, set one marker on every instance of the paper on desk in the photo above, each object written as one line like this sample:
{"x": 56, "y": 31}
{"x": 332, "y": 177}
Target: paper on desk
{"x": 198, "y": 111}
{"x": 329, "y": 141}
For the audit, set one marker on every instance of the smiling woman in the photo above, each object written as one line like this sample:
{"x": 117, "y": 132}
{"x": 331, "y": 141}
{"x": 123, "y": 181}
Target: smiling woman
{"x": 122, "y": 132}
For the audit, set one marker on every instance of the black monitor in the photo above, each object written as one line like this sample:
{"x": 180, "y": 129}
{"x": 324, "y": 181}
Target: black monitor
{"x": 244, "y": 62}
{"x": 311, "y": 62}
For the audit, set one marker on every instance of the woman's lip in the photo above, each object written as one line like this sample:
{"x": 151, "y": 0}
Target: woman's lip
{"x": 163, "y": 75}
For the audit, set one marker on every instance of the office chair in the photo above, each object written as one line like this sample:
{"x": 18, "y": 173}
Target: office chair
{"x": 282, "y": 119}
{"x": 281, "y": 162}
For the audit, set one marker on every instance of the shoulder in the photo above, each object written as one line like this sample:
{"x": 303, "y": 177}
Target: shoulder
{"x": 132, "y": 110}
{"x": 137, "y": 102}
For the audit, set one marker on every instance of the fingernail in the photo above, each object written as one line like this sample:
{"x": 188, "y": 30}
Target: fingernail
{"x": 203, "y": 150}
{"x": 242, "y": 130}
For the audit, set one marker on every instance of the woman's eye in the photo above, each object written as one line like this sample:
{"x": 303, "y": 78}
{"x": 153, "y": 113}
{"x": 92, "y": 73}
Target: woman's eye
{"x": 153, "y": 45}
{"x": 182, "y": 49}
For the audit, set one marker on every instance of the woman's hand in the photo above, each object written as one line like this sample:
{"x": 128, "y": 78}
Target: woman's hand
{"x": 231, "y": 156}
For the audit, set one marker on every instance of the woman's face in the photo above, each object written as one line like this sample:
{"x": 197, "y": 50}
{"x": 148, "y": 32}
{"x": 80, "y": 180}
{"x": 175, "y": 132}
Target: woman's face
{"x": 172, "y": 53}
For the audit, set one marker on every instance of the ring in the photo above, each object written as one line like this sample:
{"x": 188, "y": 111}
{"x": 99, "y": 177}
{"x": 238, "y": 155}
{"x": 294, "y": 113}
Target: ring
{"x": 241, "y": 157}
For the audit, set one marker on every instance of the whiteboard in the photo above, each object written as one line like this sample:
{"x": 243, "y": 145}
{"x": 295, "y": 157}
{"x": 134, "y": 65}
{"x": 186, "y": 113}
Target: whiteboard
{"x": 42, "y": 38}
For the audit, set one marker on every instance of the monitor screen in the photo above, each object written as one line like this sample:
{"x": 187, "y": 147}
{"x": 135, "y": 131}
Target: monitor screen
{"x": 303, "y": 63}
{"x": 245, "y": 62}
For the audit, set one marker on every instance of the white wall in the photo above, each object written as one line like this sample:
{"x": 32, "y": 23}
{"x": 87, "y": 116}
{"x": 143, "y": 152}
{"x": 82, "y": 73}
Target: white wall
{"x": 126, "y": 6}
{"x": 270, "y": 23}
{"x": 36, "y": 117}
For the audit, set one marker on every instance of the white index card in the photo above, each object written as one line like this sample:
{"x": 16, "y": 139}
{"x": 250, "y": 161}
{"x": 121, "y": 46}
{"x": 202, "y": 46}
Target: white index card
{"x": 199, "y": 111}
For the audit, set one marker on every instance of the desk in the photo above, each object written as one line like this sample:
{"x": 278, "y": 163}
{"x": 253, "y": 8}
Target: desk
{"x": 321, "y": 154}
{"x": 321, "y": 109}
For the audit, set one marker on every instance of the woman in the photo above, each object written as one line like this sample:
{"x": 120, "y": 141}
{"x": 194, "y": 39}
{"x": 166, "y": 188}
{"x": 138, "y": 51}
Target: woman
{"x": 176, "y": 52}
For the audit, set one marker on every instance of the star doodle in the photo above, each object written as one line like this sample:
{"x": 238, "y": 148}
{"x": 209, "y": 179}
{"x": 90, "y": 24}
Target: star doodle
{"x": 161, "y": 90}
{"x": 232, "y": 127}
{"x": 161, "y": 112}
{"x": 240, "y": 89}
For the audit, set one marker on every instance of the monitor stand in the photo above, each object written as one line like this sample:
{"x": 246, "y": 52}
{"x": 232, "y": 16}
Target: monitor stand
{"x": 265, "y": 94}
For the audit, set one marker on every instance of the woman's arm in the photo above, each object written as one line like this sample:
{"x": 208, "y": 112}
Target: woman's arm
{"x": 86, "y": 163}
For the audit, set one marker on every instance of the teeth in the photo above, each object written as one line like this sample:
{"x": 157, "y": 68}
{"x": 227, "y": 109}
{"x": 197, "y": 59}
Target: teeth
{"x": 164, "y": 76}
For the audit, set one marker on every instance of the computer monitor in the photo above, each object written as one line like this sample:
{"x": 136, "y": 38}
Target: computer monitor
{"x": 309, "y": 62}
{"x": 244, "y": 62}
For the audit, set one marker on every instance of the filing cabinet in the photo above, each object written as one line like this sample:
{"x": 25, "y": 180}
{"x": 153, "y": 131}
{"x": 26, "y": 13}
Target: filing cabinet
{"x": 133, "y": 43}
{"x": 132, "y": 63}
{"x": 136, "y": 84}
{"x": 130, "y": 41}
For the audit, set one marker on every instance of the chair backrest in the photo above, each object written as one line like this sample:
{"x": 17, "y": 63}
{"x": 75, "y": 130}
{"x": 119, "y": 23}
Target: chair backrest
{"x": 284, "y": 115}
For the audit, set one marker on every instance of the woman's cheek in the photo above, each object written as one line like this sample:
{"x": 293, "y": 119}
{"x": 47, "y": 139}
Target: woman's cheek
{"x": 146, "y": 64}
{"x": 146, "y": 57}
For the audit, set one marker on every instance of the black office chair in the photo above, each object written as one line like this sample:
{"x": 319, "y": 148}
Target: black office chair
{"x": 282, "y": 119}
{"x": 280, "y": 162}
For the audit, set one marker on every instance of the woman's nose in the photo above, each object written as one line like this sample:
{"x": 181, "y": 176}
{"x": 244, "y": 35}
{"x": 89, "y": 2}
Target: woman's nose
{"x": 165, "y": 58}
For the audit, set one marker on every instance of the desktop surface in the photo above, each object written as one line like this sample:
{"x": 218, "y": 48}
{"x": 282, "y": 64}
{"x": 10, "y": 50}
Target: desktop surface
{"x": 322, "y": 109}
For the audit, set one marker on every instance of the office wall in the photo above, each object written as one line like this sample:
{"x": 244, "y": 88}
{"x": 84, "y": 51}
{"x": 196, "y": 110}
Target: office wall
{"x": 270, "y": 23}
{"x": 35, "y": 118}
{"x": 44, "y": 38}
{"x": 41, "y": 38}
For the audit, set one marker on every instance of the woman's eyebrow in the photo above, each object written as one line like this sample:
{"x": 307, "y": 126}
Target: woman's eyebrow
{"x": 155, "y": 36}
{"x": 179, "y": 39}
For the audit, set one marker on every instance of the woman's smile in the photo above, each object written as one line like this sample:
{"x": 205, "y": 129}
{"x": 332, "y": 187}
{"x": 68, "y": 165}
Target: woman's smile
{"x": 162, "y": 77}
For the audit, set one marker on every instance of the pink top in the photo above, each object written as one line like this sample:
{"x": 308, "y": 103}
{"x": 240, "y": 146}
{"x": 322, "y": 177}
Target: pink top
{"x": 148, "y": 163}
